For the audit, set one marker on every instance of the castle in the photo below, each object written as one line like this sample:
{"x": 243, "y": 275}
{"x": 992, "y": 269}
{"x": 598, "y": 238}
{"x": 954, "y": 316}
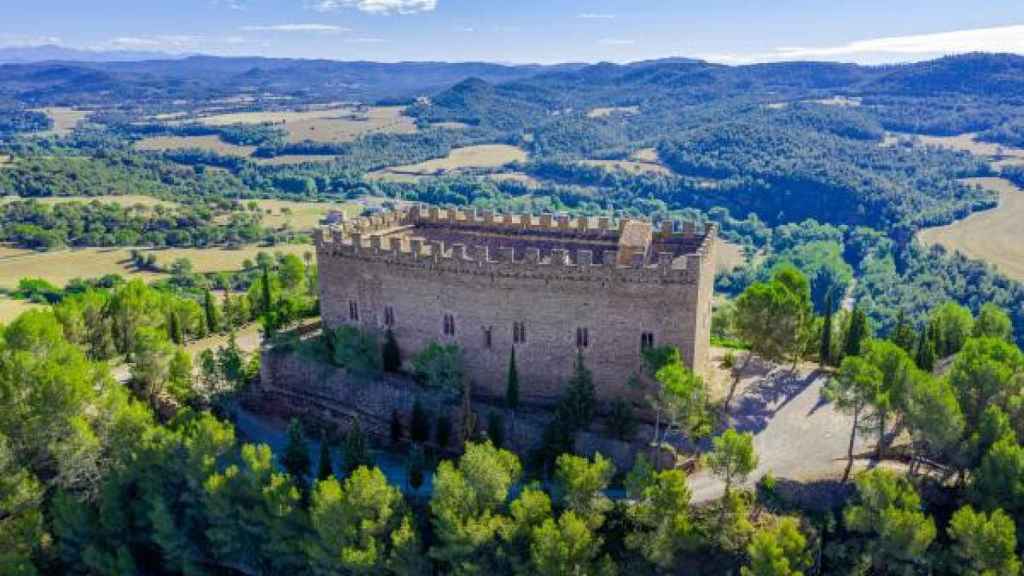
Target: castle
{"x": 547, "y": 286}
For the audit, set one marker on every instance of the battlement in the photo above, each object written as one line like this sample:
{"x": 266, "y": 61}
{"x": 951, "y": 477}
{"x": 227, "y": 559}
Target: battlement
{"x": 483, "y": 242}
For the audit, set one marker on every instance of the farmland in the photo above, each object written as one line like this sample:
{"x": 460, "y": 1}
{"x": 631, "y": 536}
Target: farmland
{"x": 211, "y": 143}
{"x": 608, "y": 111}
{"x": 482, "y": 156}
{"x": 300, "y": 215}
{"x": 630, "y": 166}
{"x": 337, "y": 124}
{"x": 999, "y": 155}
{"x": 64, "y": 119}
{"x": 11, "y": 308}
{"x": 993, "y": 235}
{"x": 123, "y": 200}
{"x": 59, "y": 267}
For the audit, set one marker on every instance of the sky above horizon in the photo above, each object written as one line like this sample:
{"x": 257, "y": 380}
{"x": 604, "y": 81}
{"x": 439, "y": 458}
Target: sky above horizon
{"x": 542, "y": 31}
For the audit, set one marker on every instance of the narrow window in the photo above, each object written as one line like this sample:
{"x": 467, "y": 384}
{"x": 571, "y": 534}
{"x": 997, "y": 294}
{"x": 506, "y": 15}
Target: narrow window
{"x": 487, "y": 337}
{"x": 582, "y": 338}
{"x": 518, "y": 332}
{"x": 389, "y": 316}
{"x": 647, "y": 341}
{"x": 449, "y": 325}
{"x": 353, "y": 310}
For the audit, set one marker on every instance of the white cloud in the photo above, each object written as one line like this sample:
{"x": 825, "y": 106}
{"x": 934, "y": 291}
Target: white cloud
{"x": 168, "y": 42}
{"x": 998, "y": 39}
{"x": 24, "y": 41}
{"x": 617, "y": 42}
{"x": 596, "y": 16}
{"x": 375, "y": 6}
{"x": 325, "y": 28}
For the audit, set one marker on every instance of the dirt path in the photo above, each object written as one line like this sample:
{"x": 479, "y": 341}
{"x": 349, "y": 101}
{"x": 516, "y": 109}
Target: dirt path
{"x": 797, "y": 435}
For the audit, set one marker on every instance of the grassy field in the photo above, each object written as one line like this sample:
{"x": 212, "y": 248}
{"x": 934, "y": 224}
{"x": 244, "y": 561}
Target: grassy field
{"x": 61, "y": 266}
{"x": 630, "y": 166}
{"x": 998, "y": 154}
{"x": 514, "y": 177}
{"x": 482, "y": 156}
{"x": 728, "y": 256}
{"x": 842, "y": 101}
{"x": 291, "y": 159}
{"x": 303, "y": 215}
{"x": 603, "y": 112}
{"x": 11, "y": 308}
{"x": 64, "y": 119}
{"x": 213, "y": 143}
{"x": 338, "y": 124}
{"x": 993, "y": 235}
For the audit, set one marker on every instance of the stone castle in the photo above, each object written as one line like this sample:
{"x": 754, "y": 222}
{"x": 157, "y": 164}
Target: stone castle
{"x": 547, "y": 286}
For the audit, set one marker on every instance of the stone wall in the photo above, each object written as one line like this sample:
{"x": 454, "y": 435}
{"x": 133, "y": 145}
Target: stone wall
{"x": 379, "y": 265}
{"x": 294, "y": 385}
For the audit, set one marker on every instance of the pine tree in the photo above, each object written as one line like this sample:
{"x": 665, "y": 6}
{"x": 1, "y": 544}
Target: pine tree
{"x": 391, "y": 356}
{"x": 326, "y": 468}
{"x": 512, "y": 384}
{"x": 419, "y": 426}
{"x": 210, "y": 308}
{"x": 825, "y": 354}
{"x": 856, "y": 334}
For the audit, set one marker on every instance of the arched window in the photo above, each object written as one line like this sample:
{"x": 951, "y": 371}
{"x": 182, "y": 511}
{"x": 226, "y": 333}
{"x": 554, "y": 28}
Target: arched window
{"x": 353, "y": 310}
{"x": 582, "y": 338}
{"x": 647, "y": 341}
{"x": 449, "y": 325}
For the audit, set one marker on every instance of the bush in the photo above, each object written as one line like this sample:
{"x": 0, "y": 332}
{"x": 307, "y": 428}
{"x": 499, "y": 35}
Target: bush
{"x": 496, "y": 429}
{"x": 621, "y": 421}
{"x": 440, "y": 366}
{"x": 354, "y": 349}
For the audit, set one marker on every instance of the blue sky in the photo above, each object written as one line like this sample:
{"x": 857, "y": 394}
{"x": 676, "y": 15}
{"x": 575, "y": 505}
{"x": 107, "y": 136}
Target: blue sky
{"x": 730, "y": 31}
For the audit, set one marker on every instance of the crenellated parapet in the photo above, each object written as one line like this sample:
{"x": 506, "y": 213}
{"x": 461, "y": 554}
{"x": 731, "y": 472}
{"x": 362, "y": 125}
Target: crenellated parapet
{"x": 522, "y": 245}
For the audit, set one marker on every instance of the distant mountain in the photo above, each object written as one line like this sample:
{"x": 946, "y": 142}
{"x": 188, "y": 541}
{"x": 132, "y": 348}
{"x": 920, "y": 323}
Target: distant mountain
{"x": 51, "y": 53}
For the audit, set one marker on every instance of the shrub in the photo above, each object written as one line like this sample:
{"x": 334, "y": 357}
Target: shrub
{"x": 354, "y": 349}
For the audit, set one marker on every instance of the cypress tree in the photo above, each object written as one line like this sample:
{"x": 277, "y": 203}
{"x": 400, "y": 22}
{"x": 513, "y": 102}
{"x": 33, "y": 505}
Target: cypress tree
{"x": 357, "y": 452}
{"x": 855, "y": 336}
{"x": 825, "y": 354}
{"x": 212, "y": 319}
{"x": 903, "y": 335}
{"x": 326, "y": 469}
{"x": 512, "y": 384}
{"x": 268, "y": 322}
{"x": 174, "y": 328}
{"x": 397, "y": 431}
{"x": 391, "y": 356}
{"x": 295, "y": 459}
{"x": 926, "y": 350}
{"x": 419, "y": 427}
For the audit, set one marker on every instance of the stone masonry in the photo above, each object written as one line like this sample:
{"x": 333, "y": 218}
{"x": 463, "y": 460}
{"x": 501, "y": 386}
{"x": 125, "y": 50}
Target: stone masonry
{"x": 548, "y": 286}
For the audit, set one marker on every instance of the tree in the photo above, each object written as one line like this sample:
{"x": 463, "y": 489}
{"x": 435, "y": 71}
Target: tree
{"x": 779, "y": 551}
{"x": 179, "y": 376}
{"x": 440, "y": 366}
{"x": 296, "y": 460}
{"x": 496, "y": 428}
{"x": 684, "y": 402}
{"x": 951, "y": 326}
{"x": 391, "y": 355}
{"x": 999, "y": 480}
{"x": 993, "y": 322}
{"x": 325, "y": 469}
{"x": 397, "y": 431}
{"x": 582, "y": 485}
{"x": 419, "y": 425}
{"x": 211, "y": 315}
{"x": 733, "y": 457}
{"x": 174, "y": 331}
{"x": 442, "y": 431}
{"x": 291, "y": 271}
{"x": 984, "y": 544}
{"x": 512, "y": 384}
{"x": 527, "y": 513}
{"x": 266, "y": 303}
{"x": 568, "y": 546}
{"x": 357, "y": 451}
{"x": 354, "y": 521}
{"x": 467, "y": 505}
{"x": 925, "y": 355}
{"x": 985, "y": 372}
{"x": 579, "y": 400}
{"x": 888, "y": 509}
{"x": 152, "y": 358}
{"x": 660, "y": 514}
{"x": 825, "y": 350}
{"x": 853, "y": 390}
{"x": 903, "y": 334}
{"x": 856, "y": 334}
